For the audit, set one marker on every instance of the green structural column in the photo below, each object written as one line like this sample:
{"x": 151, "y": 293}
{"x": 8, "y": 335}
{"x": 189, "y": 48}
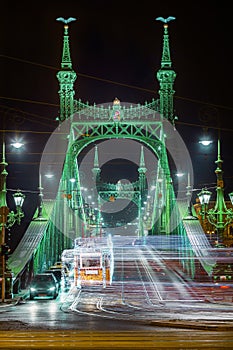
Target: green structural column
{"x": 166, "y": 77}
{"x": 66, "y": 77}
{"x": 142, "y": 186}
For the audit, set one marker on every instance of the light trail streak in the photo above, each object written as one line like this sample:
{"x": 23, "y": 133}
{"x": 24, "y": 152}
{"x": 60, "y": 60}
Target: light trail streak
{"x": 144, "y": 281}
{"x": 179, "y": 284}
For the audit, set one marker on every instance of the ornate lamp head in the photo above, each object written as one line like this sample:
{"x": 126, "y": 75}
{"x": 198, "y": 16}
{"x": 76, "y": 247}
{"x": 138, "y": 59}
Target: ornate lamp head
{"x": 19, "y": 198}
{"x": 204, "y": 196}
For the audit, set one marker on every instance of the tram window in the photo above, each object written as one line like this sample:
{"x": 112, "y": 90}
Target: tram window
{"x": 95, "y": 262}
{"x": 107, "y": 262}
{"x": 85, "y": 263}
{"x": 90, "y": 262}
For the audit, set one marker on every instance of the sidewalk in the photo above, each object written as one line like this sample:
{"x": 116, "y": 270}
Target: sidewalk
{"x": 17, "y": 298}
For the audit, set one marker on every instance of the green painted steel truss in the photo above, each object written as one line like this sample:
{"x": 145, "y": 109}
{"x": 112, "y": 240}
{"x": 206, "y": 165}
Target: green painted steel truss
{"x": 86, "y": 128}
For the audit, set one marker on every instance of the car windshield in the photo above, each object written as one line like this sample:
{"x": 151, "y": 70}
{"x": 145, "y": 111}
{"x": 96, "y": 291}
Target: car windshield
{"x": 44, "y": 278}
{"x": 57, "y": 273}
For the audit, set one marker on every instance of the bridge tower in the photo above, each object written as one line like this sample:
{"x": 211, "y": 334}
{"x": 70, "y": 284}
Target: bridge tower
{"x": 166, "y": 77}
{"x": 66, "y": 76}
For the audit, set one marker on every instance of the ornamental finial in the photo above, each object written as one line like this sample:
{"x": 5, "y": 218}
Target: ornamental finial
{"x": 66, "y": 21}
{"x": 165, "y": 20}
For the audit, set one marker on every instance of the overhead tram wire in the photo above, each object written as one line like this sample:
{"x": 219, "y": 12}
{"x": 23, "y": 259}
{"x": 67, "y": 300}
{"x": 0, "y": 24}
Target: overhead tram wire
{"x": 49, "y": 120}
{"x": 29, "y": 101}
{"x": 100, "y": 79}
{"x": 94, "y": 78}
{"x": 116, "y": 83}
{"x": 7, "y": 109}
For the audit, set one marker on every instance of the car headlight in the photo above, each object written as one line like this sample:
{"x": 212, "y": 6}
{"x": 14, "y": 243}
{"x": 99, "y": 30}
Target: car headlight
{"x": 52, "y": 288}
{"x": 32, "y": 289}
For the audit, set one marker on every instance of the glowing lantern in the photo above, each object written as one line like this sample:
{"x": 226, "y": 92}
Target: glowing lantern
{"x": 112, "y": 199}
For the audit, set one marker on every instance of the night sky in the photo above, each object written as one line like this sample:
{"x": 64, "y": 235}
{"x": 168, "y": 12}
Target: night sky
{"x": 116, "y": 43}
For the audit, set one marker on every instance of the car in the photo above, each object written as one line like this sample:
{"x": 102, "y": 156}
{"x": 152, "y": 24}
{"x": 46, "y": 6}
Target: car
{"x": 64, "y": 272}
{"x": 57, "y": 273}
{"x": 58, "y": 264}
{"x": 44, "y": 285}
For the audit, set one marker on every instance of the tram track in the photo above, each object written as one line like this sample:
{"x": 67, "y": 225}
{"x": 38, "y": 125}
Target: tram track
{"x": 92, "y": 304}
{"x": 143, "y": 292}
{"x": 140, "y": 286}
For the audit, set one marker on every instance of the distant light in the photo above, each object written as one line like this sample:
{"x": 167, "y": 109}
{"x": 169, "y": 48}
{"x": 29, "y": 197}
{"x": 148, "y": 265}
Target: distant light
{"x": 17, "y": 144}
{"x": 205, "y": 142}
{"x": 49, "y": 176}
{"x": 179, "y": 174}
{"x": 224, "y": 287}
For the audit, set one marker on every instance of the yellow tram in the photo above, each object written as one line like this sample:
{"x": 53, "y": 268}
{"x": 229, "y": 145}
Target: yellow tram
{"x": 92, "y": 267}
{"x": 90, "y": 262}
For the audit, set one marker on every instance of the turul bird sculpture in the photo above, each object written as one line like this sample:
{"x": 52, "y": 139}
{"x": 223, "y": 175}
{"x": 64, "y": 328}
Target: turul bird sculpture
{"x": 66, "y": 21}
{"x": 165, "y": 20}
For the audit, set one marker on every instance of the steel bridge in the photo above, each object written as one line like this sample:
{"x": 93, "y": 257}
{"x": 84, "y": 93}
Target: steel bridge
{"x": 83, "y": 203}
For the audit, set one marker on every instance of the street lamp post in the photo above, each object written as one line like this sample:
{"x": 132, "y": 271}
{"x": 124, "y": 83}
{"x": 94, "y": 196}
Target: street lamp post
{"x": 7, "y": 219}
{"x": 204, "y": 197}
{"x": 189, "y": 215}
{"x": 219, "y": 216}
